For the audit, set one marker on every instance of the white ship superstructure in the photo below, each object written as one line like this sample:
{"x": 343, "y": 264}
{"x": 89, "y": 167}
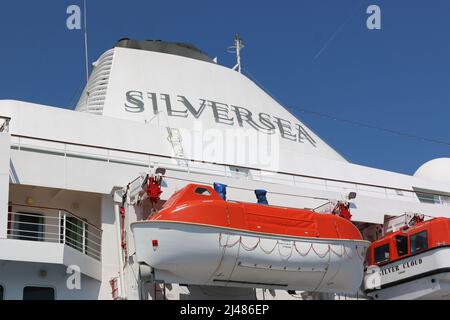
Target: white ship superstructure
{"x": 148, "y": 105}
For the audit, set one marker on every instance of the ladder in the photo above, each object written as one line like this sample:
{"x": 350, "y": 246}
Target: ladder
{"x": 176, "y": 140}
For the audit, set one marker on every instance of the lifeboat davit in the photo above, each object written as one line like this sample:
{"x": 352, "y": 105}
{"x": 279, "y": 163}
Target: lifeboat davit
{"x": 412, "y": 262}
{"x": 199, "y": 238}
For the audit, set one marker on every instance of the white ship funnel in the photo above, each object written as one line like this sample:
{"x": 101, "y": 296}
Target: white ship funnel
{"x": 178, "y": 88}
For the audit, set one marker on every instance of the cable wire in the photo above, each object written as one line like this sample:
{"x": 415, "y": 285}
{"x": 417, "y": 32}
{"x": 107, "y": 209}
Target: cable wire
{"x": 369, "y": 126}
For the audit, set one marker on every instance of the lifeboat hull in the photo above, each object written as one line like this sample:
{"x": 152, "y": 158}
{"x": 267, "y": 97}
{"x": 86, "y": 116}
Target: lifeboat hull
{"x": 196, "y": 254}
{"x": 421, "y": 276}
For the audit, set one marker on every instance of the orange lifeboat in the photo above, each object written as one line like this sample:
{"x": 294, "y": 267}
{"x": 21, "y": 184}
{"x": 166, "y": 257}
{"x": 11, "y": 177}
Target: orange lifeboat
{"x": 199, "y": 238}
{"x": 412, "y": 262}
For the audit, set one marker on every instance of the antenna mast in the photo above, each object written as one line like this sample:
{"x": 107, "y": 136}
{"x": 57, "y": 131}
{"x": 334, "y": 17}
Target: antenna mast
{"x": 86, "y": 42}
{"x": 238, "y": 46}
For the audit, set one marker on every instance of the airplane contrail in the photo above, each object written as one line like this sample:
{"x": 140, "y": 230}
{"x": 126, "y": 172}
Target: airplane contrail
{"x": 339, "y": 29}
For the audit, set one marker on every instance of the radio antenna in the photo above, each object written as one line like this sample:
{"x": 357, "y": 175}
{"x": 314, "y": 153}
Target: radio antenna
{"x": 238, "y": 46}
{"x": 86, "y": 42}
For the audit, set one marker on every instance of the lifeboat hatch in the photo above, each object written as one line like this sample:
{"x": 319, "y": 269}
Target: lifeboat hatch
{"x": 229, "y": 255}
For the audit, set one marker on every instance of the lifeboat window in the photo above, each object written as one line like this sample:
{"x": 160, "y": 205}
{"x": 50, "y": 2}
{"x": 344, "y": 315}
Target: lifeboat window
{"x": 202, "y": 191}
{"x": 381, "y": 253}
{"x": 419, "y": 241}
{"x": 402, "y": 245}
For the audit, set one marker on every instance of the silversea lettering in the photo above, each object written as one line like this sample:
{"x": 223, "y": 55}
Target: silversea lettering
{"x": 400, "y": 267}
{"x": 180, "y": 106}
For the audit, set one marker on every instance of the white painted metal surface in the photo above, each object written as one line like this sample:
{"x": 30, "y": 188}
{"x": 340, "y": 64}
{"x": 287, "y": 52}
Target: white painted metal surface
{"x": 203, "y": 255}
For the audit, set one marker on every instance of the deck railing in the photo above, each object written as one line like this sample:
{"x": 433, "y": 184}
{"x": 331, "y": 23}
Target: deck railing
{"x": 148, "y": 160}
{"x": 56, "y": 225}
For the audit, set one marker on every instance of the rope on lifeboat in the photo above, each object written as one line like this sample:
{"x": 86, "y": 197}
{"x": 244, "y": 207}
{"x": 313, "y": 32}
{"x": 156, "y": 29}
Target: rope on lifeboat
{"x": 345, "y": 253}
{"x": 302, "y": 254}
{"x": 252, "y": 248}
{"x": 277, "y": 244}
{"x": 228, "y": 245}
{"x": 362, "y": 257}
{"x": 340, "y": 255}
{"x": 269, "y": 251}
{"x": 288, "y": 256}
{"x": 321, "y": 256}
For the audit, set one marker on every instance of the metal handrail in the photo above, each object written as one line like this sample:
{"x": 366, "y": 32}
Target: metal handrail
{"x": 68, "y": 232}
{"x": 37, "y": 238}
{"x": 78, "y": 227}
{"x": 56, "y": 209}
{"x": 32, "y": 231}
{"x": 30, "y": 214}
{"x": 290, "y": 174}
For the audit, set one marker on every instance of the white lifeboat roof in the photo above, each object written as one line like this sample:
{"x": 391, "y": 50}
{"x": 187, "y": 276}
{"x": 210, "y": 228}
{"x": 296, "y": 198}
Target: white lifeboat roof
{"x": 437, "y": 169}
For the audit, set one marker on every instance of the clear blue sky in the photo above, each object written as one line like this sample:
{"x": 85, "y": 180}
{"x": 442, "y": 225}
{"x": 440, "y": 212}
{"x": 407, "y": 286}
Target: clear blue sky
{"x": 397, "y": 77}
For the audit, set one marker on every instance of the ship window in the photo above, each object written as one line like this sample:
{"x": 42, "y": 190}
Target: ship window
{"x": 203, "y": 191}
{"x": 433, "y": 197}
{"x": 428, "y": 198}
{"x": 381, "y": 253}
{"x": 1, "y": 292}
{"x": 29, "y": 226}
{"x": 419, "y": 241}
{"x": 402, "y": 245}
{"x": 76, "y": 233}
{"x": 38, "y": 293}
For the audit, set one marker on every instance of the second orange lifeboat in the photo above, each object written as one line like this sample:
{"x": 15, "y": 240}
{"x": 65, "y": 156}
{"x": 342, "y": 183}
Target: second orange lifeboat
{"x": 412, "y": 262}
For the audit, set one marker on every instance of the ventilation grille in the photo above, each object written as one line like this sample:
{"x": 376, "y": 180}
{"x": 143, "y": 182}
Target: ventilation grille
{"x": 93, "y": 97}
